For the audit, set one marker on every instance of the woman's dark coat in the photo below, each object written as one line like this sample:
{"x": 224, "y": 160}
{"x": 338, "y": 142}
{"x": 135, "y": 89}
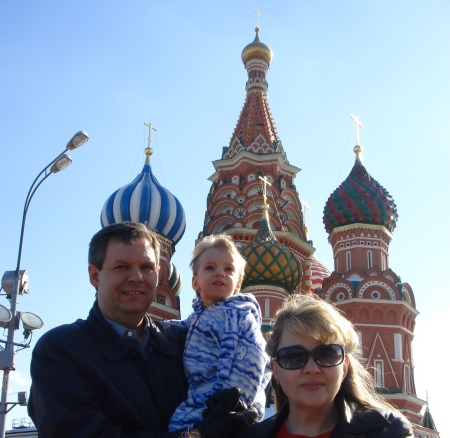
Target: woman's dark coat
{"x": 353, "y": 422}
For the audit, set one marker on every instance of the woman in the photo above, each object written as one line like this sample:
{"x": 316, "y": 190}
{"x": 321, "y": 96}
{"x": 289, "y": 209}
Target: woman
{"x": 320, "y": 387}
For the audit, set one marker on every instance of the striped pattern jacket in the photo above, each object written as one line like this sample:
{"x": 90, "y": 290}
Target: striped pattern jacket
{"x": 224, "y": 348}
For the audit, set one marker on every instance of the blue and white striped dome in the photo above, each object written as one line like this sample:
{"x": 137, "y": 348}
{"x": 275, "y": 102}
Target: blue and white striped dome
{"x": 145, "y": 200}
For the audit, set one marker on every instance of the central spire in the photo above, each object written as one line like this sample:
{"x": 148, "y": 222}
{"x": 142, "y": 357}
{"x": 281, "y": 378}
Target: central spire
{"x": 255, "y": 130}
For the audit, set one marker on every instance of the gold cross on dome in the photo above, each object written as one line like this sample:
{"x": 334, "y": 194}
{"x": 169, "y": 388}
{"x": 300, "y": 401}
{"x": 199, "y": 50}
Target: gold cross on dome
{"x": 257, "y": 15}
{"x": 265, "y": 183}
{"x": 358, "y": 125}
{"x": 150, "y": 127}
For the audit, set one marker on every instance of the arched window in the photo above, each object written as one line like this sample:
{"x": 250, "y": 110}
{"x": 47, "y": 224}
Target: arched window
{"x": 398, "y": 346}
{"x": 160, "y": 299}
{"x": 267, "y": 308}
{"x": 348, "y": 260}
{"x": 378, "y": 370}
{"x": 407, "y": 379}
{"x": 369, "y": 259}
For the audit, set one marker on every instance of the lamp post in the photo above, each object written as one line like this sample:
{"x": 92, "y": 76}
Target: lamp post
{"x": 16, "y": 283}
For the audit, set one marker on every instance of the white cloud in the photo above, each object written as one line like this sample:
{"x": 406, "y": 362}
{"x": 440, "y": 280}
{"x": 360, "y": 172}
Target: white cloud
{"x": 18, "y": 381}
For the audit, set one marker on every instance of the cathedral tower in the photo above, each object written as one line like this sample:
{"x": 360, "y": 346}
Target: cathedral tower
{"x": 360, "y": 217}
{"x": 269, "y": 225}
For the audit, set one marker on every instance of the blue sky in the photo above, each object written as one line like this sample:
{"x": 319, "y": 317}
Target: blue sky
{"x": 108, "y": 67}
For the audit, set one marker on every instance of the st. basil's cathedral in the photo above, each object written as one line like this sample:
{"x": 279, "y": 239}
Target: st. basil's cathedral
{"x": 253, "y": 197}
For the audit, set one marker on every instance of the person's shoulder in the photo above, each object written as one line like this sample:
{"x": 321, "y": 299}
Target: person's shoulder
{"x": 64, "y": 332}
{"x": 242, "y": 301}
{"x": 245, "y": 306}
{"x": 172, "y": 329}
{"x": 389, "y": 424}
{"x": 398, "y": 424}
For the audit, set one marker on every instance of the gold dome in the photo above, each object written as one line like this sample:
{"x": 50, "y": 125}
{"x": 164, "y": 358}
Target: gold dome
{"x": 256, "y": 50}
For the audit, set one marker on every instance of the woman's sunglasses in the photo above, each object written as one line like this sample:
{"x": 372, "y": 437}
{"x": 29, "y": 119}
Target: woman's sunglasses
{"x": 296, "y": 357}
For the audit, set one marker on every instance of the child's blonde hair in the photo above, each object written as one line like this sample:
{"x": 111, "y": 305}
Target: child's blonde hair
{"x": 221, "y": 241}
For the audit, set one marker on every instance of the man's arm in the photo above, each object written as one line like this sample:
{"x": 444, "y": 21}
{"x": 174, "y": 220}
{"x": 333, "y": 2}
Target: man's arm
{"x": 78, "y": 390}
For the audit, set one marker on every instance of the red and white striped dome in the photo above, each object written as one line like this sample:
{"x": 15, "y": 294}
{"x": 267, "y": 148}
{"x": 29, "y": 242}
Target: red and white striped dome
{"x": 318, "y": 273}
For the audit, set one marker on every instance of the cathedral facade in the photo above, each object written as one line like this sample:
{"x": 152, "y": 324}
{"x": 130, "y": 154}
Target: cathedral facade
{"x": 253, "y": 198}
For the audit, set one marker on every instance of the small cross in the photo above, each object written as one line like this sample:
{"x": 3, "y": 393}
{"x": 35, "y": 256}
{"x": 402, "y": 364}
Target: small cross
{"x": 265, "y": 183}
{"x": 358, "y": 125}
{"x": 257, "y": 15}
{"x": 306, "y": 210}
{"x": 150, "y": 127}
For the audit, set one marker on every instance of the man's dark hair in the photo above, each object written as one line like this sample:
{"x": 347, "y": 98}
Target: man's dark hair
{"x": 125, "y": 232}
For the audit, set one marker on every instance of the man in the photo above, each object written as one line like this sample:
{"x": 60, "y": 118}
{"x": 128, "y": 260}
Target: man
{"x": 117, "y": 373}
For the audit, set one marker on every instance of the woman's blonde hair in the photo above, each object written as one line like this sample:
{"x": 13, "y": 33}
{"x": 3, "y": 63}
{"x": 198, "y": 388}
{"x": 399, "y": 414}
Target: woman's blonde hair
{"x": 314, "y": 318}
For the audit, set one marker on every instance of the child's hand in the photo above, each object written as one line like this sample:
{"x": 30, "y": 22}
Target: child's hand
{"x": 226, "y": 415}
{"x": 221, "y": 402}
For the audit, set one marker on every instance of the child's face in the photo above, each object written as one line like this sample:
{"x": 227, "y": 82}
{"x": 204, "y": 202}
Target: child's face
{"x": 217, "y": 277}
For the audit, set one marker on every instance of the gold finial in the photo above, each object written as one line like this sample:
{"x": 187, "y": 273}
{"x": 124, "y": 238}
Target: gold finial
{"x": 358, "y": 125}
{"x": 358, "y": 151}
{"x": 265, "y": 183}
{"x": 148, "y": 153}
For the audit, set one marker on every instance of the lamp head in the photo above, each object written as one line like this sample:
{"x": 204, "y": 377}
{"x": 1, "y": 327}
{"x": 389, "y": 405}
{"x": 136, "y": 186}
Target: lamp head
{"x": 8, "y": 282}
{"x": 5, "y": 316}
{"x": 30, "y": 322}
{"x": 79, "y": 139}
{"x": 61, "y": 163}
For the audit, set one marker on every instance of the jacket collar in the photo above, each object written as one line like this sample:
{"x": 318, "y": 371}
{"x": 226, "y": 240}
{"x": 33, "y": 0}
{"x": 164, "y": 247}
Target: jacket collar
{"x": 115, "y": 348}
{"x": 355, "y": 419}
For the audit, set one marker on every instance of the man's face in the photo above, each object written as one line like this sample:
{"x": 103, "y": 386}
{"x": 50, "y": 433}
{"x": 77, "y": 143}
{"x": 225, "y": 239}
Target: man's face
{"x": 126, "y": 285}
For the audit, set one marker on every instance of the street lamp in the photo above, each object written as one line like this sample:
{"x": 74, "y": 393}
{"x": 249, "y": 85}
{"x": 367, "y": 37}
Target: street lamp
{"x": 15, "y": 283}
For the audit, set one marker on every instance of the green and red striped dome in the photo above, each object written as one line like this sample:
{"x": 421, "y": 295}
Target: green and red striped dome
{"x": 360, "y": 199}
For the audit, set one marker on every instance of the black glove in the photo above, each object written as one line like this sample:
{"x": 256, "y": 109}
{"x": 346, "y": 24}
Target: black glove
{"x": 226, "y": 415}
{"x": 223, "y": 402}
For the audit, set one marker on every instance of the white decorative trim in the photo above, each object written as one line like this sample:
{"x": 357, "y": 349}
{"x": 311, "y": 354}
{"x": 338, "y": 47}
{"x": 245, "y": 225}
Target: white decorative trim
{"x": 408, "y": 296}
{"x": 336, "y": 286}
{"x": 164, "y": 308}
{"x": 388, "y": 359}
{"x": 358, "y": 225}
{"x": 381, "y": 285}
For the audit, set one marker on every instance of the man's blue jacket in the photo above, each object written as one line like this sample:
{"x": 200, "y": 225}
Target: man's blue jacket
{"x": 87, "y": 382}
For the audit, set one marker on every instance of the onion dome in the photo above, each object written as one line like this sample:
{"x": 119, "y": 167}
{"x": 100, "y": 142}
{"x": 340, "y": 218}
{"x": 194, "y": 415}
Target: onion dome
{"x": 269, "y": 262}
{"x": 145, "y": 200}
{"x": 256, "y": 50}
{"x": 318, "y": 273}
{"x": 360, "y": 199}
{"x": 174, "y": 278}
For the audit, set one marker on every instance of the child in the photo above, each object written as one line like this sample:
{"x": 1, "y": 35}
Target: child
{"x": 224, "y": 345}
